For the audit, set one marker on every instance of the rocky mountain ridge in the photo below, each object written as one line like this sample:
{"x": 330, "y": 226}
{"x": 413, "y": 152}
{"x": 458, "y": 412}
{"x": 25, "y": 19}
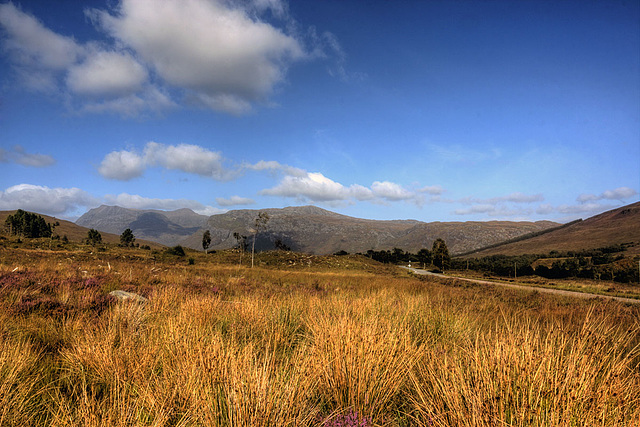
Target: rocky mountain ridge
{"x": 304, "y": 228}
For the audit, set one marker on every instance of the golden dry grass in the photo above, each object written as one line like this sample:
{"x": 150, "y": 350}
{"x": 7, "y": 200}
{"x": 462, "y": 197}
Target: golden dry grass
{"x": 222, "y": 345}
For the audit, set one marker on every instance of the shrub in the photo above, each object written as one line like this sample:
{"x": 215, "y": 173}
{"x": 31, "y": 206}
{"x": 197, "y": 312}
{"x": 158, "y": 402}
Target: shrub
{"x": 176, "y": 250}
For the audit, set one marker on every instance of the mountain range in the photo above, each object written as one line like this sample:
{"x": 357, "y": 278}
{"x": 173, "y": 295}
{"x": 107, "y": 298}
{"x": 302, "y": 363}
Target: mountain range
{"x": 305, "y": 228}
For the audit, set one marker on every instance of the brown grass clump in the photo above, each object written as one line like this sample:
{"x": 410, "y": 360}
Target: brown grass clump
{"x": 223, "y": 345}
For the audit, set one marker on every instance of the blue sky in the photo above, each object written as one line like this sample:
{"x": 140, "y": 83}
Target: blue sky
{"x": 436, "y": 111}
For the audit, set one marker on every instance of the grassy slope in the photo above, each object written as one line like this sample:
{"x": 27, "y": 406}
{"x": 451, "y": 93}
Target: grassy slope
{"x": 614, "y": 227}
{"x": 299, "y": 341}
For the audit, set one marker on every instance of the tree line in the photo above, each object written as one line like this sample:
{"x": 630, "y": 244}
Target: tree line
{"x": 601, "y": 263}
{"x": 438, "y": 256}
{"x": 29, "y": 225}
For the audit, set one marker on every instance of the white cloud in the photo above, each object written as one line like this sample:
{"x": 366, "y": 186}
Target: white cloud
{"x": 214, "y": 49}
{"x": 274, "y": 166}
{"x": 31, "y": 44}
{"x": 125, "y": 165}
{"x": 133, "y": 201}
{"x": 20, "y": 156}
{"x": 122, "y": 165}
{"x": 187, "y": 158}
{"x": 45, "y": 200}
{"x": 71, "y": 202}
{"x": 134, "y": 105}
{"x": 391, "y": 191}
{"x": 316, "y": 187}
{"x": 434, "y": 190}
{"x": 313, "y": 186}
{"x": 584, "y": 208}
{"x": 107, "y": 73}
{"x": 224, "y": 55}
{"x": 234, "y": 201}
{"x": 621, "y": 194}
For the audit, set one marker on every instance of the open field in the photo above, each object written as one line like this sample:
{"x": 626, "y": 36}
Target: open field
{"x": 299, "y": 341}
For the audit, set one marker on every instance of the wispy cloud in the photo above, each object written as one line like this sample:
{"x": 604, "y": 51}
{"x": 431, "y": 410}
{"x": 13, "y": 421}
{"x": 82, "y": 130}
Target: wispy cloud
{"x": 18, "y": 155}
{"x": 500, "y": 206}
{"x": 234, "y": 201}
{"x": 621, "y": 194}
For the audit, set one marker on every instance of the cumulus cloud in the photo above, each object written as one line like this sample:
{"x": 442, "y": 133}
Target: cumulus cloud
{"x": 224, "y": 55}
{"x": 234, "y": 201}
{"x": 312, "y": 186}
{"x": 125, "y": 165}
{"x": 391, "y": 191}
{"x": 315, "y": 187}
{"x": 31, "y": 44}
{"x": 187, "y": 158}
{"x": 107, "y": 73}
{"x": 218, "y": 50}
{"x": 20, "y": 156}
{"x": 134, "y": 201}
{"x": 122, "y": 165}
{"x": 274, "y": 166}
{"x": 45, "y": 200}
{"x": 621, "y": 194}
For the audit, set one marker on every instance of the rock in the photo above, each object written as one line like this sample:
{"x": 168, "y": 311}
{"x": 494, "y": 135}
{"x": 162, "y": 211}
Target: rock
{"x": 128, "y": 296}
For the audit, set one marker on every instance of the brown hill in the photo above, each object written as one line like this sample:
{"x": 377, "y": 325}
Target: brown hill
{"x": 614, "y": 227}
{"x": 165, "y": 227}
{"x": 76, "y": 233}
{"x": 314, "y": 230}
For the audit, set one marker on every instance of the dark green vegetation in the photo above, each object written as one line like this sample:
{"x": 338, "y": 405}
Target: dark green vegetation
{"x": 609, "y": 263}
{"x": 28, "y": 225}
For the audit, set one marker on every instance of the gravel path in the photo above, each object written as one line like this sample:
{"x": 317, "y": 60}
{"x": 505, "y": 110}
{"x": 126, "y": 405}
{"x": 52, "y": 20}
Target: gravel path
{"x": 522, "y": 287}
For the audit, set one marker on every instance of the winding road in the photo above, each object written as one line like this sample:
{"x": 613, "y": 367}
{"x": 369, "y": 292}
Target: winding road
{"x": 523, "y": 287}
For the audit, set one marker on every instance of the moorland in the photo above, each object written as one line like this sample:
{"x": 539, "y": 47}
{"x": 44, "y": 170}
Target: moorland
{"x": 298, "y": 340}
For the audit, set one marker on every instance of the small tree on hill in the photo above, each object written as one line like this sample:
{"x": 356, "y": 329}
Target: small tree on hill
{"x": 260, "y": 224}
{"x": 440, "y": 254}
{"x": 241, "y": 243}
{"x": 127, "y": 238}
{"x": 424, "y": 257}
{"x": 94, "y": 237}
{"x": 206, "y": 240}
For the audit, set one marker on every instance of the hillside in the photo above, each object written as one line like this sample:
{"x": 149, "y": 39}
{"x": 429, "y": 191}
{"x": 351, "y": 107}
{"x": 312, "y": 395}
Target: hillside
{"x": 165, "y": 227}
{"x": 318, "y": 231}
{"x": 77, "y": 233}
{"x": 614, "y": 227}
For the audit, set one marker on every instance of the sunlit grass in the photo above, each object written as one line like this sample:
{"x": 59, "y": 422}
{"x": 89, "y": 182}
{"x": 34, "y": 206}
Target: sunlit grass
{"x": 281, "y": 345}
